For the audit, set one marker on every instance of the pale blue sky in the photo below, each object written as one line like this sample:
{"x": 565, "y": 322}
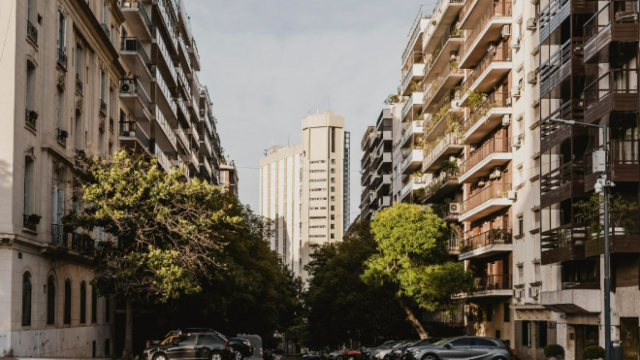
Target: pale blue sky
{"x": 268, "y": 63}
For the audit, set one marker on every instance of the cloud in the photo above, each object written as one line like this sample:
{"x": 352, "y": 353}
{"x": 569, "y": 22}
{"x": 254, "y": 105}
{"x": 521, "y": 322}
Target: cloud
{"x": 268, "y": 63}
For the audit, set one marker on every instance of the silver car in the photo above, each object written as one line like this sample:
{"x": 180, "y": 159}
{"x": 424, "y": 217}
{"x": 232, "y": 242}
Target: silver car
{"x": 463, "y": 348}
{"x": 384, "y": 350}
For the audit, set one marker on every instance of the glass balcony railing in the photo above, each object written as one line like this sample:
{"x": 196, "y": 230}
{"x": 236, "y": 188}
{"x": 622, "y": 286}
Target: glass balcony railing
{"x": 613, "y": 82}
{"x": 612, "y": 14}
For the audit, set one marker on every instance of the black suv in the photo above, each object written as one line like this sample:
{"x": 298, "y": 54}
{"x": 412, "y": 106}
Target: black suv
{"x": 240, "y": 348}
{"x": 202, "y": 345}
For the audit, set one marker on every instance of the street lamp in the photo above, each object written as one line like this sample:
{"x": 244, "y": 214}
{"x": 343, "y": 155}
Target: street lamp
{"x": 602, "y": 185}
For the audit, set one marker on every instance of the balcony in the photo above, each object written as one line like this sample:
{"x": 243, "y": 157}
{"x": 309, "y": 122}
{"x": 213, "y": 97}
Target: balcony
{"x": 615, "y": 22}
{"x": 494, "y": 152}
{"x": 103, "y": 107}
{"x": 416, "y": 33}
{"x": 437, "y": 152}
{"x": 164, "y": 98}
{"x": 486, "y": 31}
{"x": 491, "y": 198}
{"x": 572, "y": 301}
{"x": 488, "y": 243}
{"x": 204, "y": 164}
{"x": 163, "y": 159}
{"x": 61, "y": 137}
{"x": 183, "y": 140}
{"x": 623, "y": 163}
{"x": 132, "y": 136}
{"x": 415, "y": 73}
{"x": 183, "y": 113}
{"x": 446, "y": 120}
{"x": 565, "y": 61}
{"x": 444, "y": 14}
{"x": 30, "y": 222}
{"x": 553, "y": 133}
{"x": 205, "y": 149}
{"x": 413, "y": 105}
{"x": 382, "y": 182}
{"x": 62, "y": 59}
{"x": 486, "y": 117}
{"x": 194, "y": 55}
{"x": 561, "y": 183}
{"x": 408, "y": 192}
{"x": 165, "y": 138}
{"x": 495, "y": 65}
{"x": 615, "y": 90}
{"x": 137, "y": 17}
{"x": 183, "y": 167}
{"x": 446, "y": 49}
{"x": 440, "y": 186}
{"x": 135, "y": 97}
{"x": 491, "y": 286}
{"x": 563, "y": 243}
{"x": 164, "y": 16}
{"x": 31, "y": 120}
{"x": 72, "y": 246}
{"x": 161, "y": 56}
{"x": 135, "y": 56}
{"x": 32, "y": 33}
{"x": 411, "y": 130}
{"x": 442, "y": 84}
{"x": 79, "y": 85}
{"x": 411, "y": 161}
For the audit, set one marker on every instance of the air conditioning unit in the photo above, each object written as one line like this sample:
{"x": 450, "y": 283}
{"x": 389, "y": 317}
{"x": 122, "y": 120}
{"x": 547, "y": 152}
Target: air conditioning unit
{"x": 532, "y": 77}
{"x": 534, "y": 292}
{"x": 506, "y": 120}
{"x": 532, "y": 24}
{"x": 507, "y": 101}
{"x": 512, "y": 195}
{"x": 496, "y": 173}
{"x": 454, "y": 56}
{"x": 454, "y": 208}
{"x": 506, "y": 31}
{"x": 517, "y": 293}
{"x": 126, "y": 88}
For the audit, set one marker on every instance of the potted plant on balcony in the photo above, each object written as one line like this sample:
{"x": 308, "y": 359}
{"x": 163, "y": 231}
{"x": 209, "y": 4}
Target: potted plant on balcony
{"x": 34, "y": 219}
{"x": 392, "y": 99}
{"x": 554, "y": 352}
{"x": 593, "y": 352}
{"x": 476, "y": 99}
{"x": 450, "y": 167}
{"x": 621, "y": 213}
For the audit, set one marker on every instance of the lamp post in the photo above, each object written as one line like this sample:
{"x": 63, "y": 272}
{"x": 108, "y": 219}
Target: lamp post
{"x": 603, "y": 185}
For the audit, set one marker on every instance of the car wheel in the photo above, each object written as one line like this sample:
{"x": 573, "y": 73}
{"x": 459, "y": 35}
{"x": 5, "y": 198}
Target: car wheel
{"x": 237, "y": 355}
{"x": 430, "y": 357}
{"x": 160, "y": 357}
{"x": 215, "y": 356}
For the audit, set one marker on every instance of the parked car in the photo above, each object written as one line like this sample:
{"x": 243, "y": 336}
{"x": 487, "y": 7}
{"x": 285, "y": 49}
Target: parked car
{"x": 240, "y": 348}
{"x": 399, "y": 352}
{"x": 350, "y": 354}
{"x": 194, "y": 345}
{"x": 463, "y": 348}
{"x": 385, "y": 349}
{"x": 311, "y": 356}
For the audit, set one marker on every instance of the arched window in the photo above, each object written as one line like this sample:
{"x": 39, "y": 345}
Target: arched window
{"x": 67, "y": 302}
{"x": 83, "y": 302}
{"x": 94, "y": 304}
{"x": 51, "y": 301}
{"x": 26, "y": 299}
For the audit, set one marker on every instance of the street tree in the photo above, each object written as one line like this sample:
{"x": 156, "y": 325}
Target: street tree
{"x": 412, "y": 244}
{"x": 164, "y": 233}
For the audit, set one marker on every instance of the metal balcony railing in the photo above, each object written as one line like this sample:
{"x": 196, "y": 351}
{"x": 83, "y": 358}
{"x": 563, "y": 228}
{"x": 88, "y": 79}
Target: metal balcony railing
{"x": 564, "y": 174}
{"x": 31, "y": 119}
{"x": 615, "y": 12}
{"x": 489, "y": 192}
{"x": 495, "y": 99}
{"x": 136, "y": 4}
{"x": 32, "y": 32}
{"x": 495, "y": 145}
{"x": 58, "y": 236}
{"x": 617, "y": 81}
{"x": 29, "y": 222}
{"x": 449, "y": 68}
{"x": 501, "y": 8}
{"x": 78, "y": 84}
{"x": 493, "y": 282}
{"x": 490, "y": 237}
{"x": 134, "y": 87}
{"x": 62, "y": 58}
{"x": 134, "y": 44}
{"x": 502, "y": 53}
{"x": 61, "y": 137}
{"x": 82, "y": 243}
{"x": 133, "y": 130}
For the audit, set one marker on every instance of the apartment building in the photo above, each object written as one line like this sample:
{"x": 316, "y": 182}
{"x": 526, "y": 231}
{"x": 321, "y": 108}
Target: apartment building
{"x": 229, "y": 177}
{"x": 301, "y": 190}
{"x": 88, "y": 76}
{"x": 376, "y": 165}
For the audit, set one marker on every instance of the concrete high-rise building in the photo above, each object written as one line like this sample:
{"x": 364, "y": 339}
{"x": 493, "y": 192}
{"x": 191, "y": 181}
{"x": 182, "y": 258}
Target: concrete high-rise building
{"x": 302, "y": 190}
{"x": 97, "y": 77}
{"x": 376, "y": 166}
{"x": 229, "y": 180}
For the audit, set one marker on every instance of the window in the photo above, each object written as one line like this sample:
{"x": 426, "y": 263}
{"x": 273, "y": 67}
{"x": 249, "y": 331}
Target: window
{"x": 333, "y": 171}
{"x": 526, "y": 333}
{"x": 333, "y": 207}
{"x": 333, "y": 140}
{"x": 30, "y": 86}
{"x": 111, "y": 105}
{"x": 103, "y": 84}
{"x": 333, "y": 226}
{"x": 333, "y": 217}
{"x": 51, "y": 301}
{"x": 507, "y": 313}
{"x": 26, "y": 299}
{"x": 28, "y": 186}
{"x": 59, "y": 109}
{"x": 333, "y": 236}
{"x": 208, "y": 340}
{"x": 67, "y": 302}
{"x": 31, "y": 10}
{"x": 333, "y": 189}
{"x": 83, "y": 302}
{"x": 79, "y": 54}
{"x": 489, "y": 312}
{"x": 333, "y": 180}
{"x": 187, "y": 340}
{"x": 107, "y": 310}
{"x": 520, "y": 225}
{"x": 536, "y": 267}
{"x": 94, "y": 305}
{"x": 520, "y": 274}
{"x": 462, "y": 342}
{"x": 333, "y": 198}
{"x": 333, "y": 161}
{"x": 58, "y": 205}
{"x": 62, "y": 33}
{"x": 541, "y": 334}
{"x": 99, "y": 234}
{"x": 484, "y": 342}
{"x": 105, "y": 13}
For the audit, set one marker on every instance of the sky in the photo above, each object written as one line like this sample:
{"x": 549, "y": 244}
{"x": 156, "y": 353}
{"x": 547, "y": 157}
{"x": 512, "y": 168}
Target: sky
{"x": 269, "y": 63}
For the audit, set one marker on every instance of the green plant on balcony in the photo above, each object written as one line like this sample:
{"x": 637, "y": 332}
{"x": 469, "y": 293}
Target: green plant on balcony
{"x": 464, "y": 248}
{"x": 392, "y": 99}
{"x": 497, "y": 234}
{"x": 34, "y": 219}
{"x": 419, "y": 194}
{"x": 553, "y": 351}
{"x": 450, "y": 167}
{"x": 476, "y": 99}
{"x": 592, "y": 352}
{"x": 414, "y": 85}
{"x": 417, "y": 174}
{"x": 433, "y": 58}
{"x": 433, "y": 22}
{"x": 621, "y": 214}
{"x": 453, "y": 65}
{"x": 456, "y": 32}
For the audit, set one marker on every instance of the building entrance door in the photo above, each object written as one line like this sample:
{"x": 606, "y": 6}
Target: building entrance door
{"x": 630, "y": 338}
{"x": 585, "y": 335}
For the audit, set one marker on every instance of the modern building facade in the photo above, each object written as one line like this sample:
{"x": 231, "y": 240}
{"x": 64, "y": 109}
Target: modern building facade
{"x": 93, "y": 77}
{"x": 229, "y": 179}
{"x": 301, "y": 190}
{"x": 376, "y": 177}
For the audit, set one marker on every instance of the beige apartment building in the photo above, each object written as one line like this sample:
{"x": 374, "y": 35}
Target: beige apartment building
{"x": 229, "y": 179}
{"x": 91, "y": 76}
{"x": 473, "y": 139}
{"x": 302, "y": 190}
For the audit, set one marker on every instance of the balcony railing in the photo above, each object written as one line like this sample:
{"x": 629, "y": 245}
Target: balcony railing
{"x": 135, "y": 4}
{"x": 450, "y": 68}
{"x": 162, "y": 158}
{"x": 31, "y": 119}
{"x": 32, "y": 32}
{"x": 415, "y": 32}
{"x": 487, "y": 238}
{"x": 82, "y": 243}
{"x": 134, "y": 44}
{"x": 78, "y": 84}
{"x": 489, "y": 192}
{"x": 495, "y": 9}
{"x": 134, "y": 87}
{"x": 30, "y": 222}
{"x": 569, "y": 110}
{"x": 58, "y": 235}
{"x": 493, "y": 282}
{"x": 434, "y": 152}
{"x": 612, "y": 14}
{"x": 183, "y": 138}
{"x": 103, "y": 106}
{"x": 133, "y": 130}
{"x": 564, "y": 174}
{"x": 495, "y": 99}
{"x": 105, "y": 29}
{"x": 549, "y": 14}
{"x": 502, "y": 53}
{"x": 436, "y": 183}
{"x": 611, "y": 83}
{"x": 552, "y": 70}
{"x": 62, "y": 59}
{"x": 495, "y": 145}
{"x": 452, "y": 33}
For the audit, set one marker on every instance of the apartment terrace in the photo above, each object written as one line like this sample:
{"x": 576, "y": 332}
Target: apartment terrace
{"x": 493, "y": 67}
{"x": 133, "y": 137}
{"x": 489, "y": 199}
{"x": 165, "y": 138}
{"x": 445, "y": 49}
{"x": 615, "y": 90}
{"x": 623, "y": 163}
{"x": 410, "y": 131}
{"x": 70, "y": 245}
{"x": 440, "y": 186}
{"x": 486, "y": 31}
{"x": 445, "y": 120}
{"x": 164, "y": 16}
{"x": 414, "y": 104}
{"x": 561, "y": 183}
{"x": 164, "y": 98}
{"x": 493, "y": 112}
{"x": 491, "y": 286}
{"x": 442, "y": 83}
{"x": 556, "y": 11}
{"x": 162, "y": 58}
{"x": 437, "y": 152}
{"x": 411, "y": 160}
{"x": 136, "y": 16}
{"x": 494, "y": 152}
{"x": 553, "y": 133}
{"x": 563, "y": 243}
{"x": 444, "y": 14}
{"x": 163, "y": 159}
{"x": 414, "y": 72}
{"x": 488, "y": 243}
{"x": 415, "y": 36}
{"x": 136, "y": 57}
{"x": 617, "y": 21}
{"x": 565, "y": 61}
{"x": 135, "y": 97}
{"x": 572, "y": 301}
{"x": 411, "y": 187}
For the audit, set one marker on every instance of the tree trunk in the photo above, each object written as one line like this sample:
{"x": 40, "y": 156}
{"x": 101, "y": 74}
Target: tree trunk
{"x": 128, "y": 331}
{"x": 413, "y": 320}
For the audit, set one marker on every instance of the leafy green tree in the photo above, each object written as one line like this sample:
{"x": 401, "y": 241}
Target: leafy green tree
{"x": 165, "y": 232}
{"x": 413, "y": 257}
{"x": 340, "y": 306}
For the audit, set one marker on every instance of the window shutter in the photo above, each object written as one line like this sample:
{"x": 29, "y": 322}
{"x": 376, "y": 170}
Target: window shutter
{"x": 60, "y": 205}
{"x": 54, "y": 202}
